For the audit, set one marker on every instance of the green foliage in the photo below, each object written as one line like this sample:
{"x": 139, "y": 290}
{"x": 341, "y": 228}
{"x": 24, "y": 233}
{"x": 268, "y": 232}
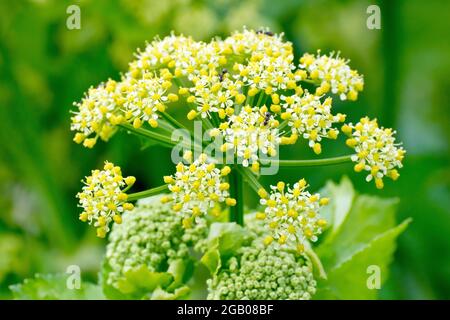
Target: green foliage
{"x": 54, "y": 287}
{"x": 364, "y": 235}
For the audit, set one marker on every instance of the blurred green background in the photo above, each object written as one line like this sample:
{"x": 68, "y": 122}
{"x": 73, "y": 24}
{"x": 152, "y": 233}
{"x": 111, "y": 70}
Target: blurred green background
{"x": 44, "y": 67}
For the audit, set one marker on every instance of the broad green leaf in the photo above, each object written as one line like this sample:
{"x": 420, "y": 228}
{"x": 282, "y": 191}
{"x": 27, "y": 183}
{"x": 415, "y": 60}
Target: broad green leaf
{"x": 369, "y": 216}
{"x": 54, "y": 287}
{"x": 364, "y": 235}
{"x": 341, "y": 198}
{"x": 351, "y": 278}
{"x": 139, "y": 281}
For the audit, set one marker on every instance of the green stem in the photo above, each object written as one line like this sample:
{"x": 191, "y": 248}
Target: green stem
{"x": 207, "y": 123}
{"x": 310, "y": 163}
{"x": 149, "y": 134}
{"x": 283, "y": 125}
{"x": 174, "y": 122}
{"x": 237, "y": 192}
{"x": 315, "y": 82}
{"x": 250, "y": 178}
{"x": 261, "y": 97}
{"x": 147, "y": 193}
{"x": 215, "y": 119}
{"x": 162, "y": 139}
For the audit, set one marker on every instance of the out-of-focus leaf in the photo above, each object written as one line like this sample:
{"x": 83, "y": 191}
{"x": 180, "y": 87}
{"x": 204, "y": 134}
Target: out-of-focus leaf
{"x": 224, "y": 239}
{"x": 54, "y": 287}
{"x": 109, "y": 291}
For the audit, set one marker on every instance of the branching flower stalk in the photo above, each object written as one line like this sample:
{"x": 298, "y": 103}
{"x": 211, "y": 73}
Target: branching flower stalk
{"x": 252, "y": 97}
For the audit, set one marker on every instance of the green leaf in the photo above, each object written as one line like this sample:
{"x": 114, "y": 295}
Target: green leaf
{"x": 54, "y": 287}
{"x": 161, "y": 294}
{"x": 224, "y": 239}
{"x": 211, "y": 259}
{"x": 228, "y": 237}
{"x": 369, "y": 216}
{"x": 139, "y": 281}
{"x": 341, "y": 198}
{"x": 109, "y": 291}
{"x": 181, "y": 270}
{"x": 349, "y": 279}
{"x": 365, "y": 234}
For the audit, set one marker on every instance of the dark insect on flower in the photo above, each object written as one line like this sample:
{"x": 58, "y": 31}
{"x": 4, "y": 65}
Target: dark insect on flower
{"x": 267, "y": 33}
{"x": 267, "y": 117}
{"x": 224, "y": 71}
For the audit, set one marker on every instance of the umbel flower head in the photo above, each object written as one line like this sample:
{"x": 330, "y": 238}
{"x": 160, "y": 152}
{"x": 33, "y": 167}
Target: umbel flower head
{"x": 333, "y": 74}
{"x": 198, "y": 187}
{"x": 259, "y": 272}
{"x": 292, "y": 214}
{"x": 97, "y": 114}
{"x": 310, "y": 118}
{"x": 219, "y": 80}
{"x": 103, "y": 197}
{"x": 151, "y": 235}
{"x": 376, "y": 150}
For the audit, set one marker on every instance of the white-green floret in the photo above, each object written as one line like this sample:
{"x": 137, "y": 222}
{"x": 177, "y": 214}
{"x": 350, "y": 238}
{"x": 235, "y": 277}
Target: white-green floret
{"x": 151, "y": 235}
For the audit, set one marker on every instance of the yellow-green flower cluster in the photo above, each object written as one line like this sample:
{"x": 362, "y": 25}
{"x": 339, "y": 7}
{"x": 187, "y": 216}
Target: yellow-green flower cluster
{"x": 333, "y": 74}
{"x": 97, "y": 114}
{"x": 310, "y": 118}
{"x": 376, "y": 150}
{"x": 251, "y": 133}
{"x": 103, "y": 197}
{"x": 130, "y": 100}
{"x": 198, "y": 187}
{"x": 269, "y": 62}
{"x": 292, "y": 214}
